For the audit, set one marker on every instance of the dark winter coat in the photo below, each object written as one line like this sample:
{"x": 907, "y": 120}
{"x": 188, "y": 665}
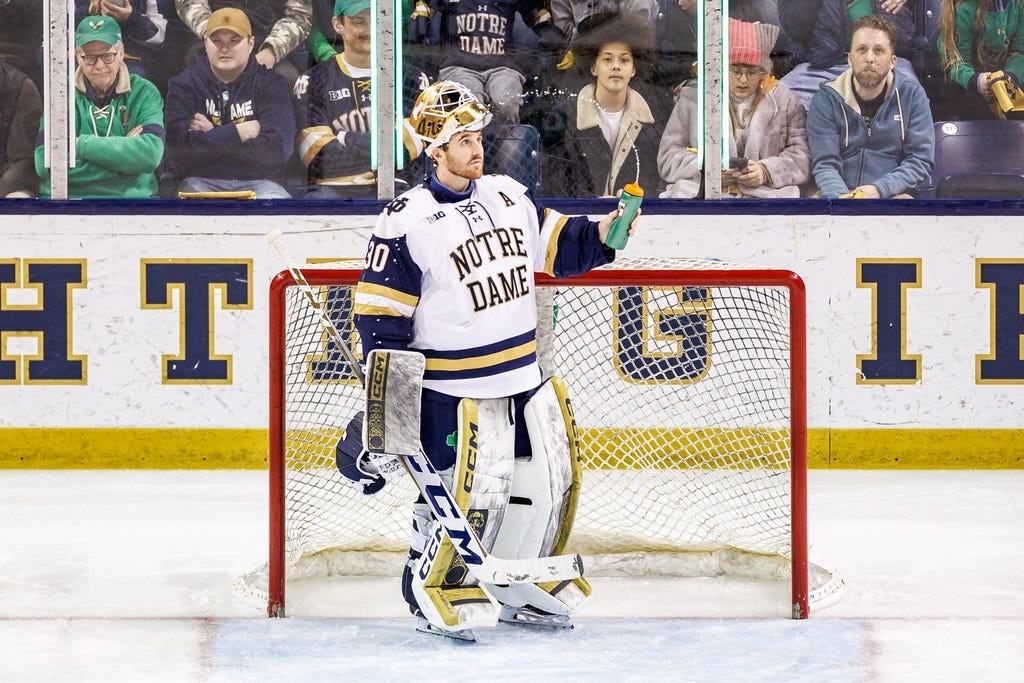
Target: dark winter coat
{"x": 820, "y": 30}
{"x": 577, "y": 160}
{"x": 20, "y": 111}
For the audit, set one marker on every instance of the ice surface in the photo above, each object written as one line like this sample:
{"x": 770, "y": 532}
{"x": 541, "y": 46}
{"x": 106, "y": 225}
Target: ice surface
{"x": 126, "y": 576}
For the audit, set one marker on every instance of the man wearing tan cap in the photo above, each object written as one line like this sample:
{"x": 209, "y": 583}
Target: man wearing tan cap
{"x": 279, "y": 26}
{"x": 230, "y": 125}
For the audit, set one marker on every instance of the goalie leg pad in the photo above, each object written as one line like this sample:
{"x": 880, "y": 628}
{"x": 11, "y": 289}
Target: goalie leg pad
{"x": 545, "y": 487}
{"x": 545, "y": 492}
{"x": 443, "y": 587}
{"x": 556, "y": 598}
{"x": 442, "y": 600}
{"x": 486, "y": 458}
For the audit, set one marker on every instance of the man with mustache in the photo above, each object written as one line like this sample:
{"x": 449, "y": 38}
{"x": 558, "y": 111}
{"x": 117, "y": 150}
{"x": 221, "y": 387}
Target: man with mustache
{"x": 449, "y": 280}
{"x": 870, "y": 130}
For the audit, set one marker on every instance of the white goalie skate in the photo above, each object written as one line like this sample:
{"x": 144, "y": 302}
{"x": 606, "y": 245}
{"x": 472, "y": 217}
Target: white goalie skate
{"x": 531, "y": 616}
{"x": 424, "y": 626}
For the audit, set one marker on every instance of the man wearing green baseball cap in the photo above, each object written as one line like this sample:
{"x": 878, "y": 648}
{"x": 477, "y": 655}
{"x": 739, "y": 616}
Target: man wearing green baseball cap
{"x": 323, "y": 41}
{"x": 333, "y": 101}
{"x": 118, "y": 120}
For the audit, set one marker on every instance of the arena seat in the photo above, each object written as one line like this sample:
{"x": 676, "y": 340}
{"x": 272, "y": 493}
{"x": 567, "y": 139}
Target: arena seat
{"x": 513, "y": 149}
{"x": 981, "y": 159}
{"x": 981, "y": 185}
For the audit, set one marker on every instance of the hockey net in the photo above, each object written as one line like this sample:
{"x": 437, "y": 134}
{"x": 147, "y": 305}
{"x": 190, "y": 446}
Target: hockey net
{"x": 687, "y": 382}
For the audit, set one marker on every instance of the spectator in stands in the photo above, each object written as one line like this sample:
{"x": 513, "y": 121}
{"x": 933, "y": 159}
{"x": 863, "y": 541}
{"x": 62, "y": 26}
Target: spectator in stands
{"x": 768, "y": 135}
{"x": 606, "y": 136}
{"x": 676, "y": 44}
{"x": 20, "y": 111}
{"x": 572, "y": 17}
{"x": 333, "y": 104}
{"x": 119, "y": 120}
{"x": 230, "y": 122}
{"x": 767, "y": 12}
{"x": 153, "y": 35}
{"x": 977, "y": 38}
{"x": 870, "y": 131}
{"x": 479, "y": 48}
{"x": 324, "y": 42}
{"x": 21, "y": 37}
{"x": 569, "y": 15}
{"x": 820, "y": 31}
{"x": 280, "y": 26}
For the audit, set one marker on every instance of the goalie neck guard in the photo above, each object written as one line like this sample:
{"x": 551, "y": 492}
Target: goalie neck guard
{"x": 444, "y": 109}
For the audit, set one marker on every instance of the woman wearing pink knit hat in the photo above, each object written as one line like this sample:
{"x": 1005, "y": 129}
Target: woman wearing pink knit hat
{"x": 767, "y": 138}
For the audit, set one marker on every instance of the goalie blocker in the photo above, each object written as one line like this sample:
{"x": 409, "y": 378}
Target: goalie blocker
{"x": 518, "y": 508}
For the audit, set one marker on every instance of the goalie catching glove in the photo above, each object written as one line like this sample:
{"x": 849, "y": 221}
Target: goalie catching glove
{"x": 370, "y": 470}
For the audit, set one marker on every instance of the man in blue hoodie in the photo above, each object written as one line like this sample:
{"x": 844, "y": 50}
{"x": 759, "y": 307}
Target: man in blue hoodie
{"x": 230, "y": 123}
{"x": 870, "y": 131}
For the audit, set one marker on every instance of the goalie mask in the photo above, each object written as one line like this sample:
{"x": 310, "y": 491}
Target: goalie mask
{"x": 444, "y": 109}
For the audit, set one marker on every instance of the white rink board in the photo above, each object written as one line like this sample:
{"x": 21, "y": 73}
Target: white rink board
{"x": 948, "y": 318}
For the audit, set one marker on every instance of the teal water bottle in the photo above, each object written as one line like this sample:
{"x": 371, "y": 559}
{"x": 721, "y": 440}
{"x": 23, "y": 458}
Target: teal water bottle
{"x": 629, "y": 202}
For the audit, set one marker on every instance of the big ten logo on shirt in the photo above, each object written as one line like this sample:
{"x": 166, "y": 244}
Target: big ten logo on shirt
{"x": 355, "y": 107}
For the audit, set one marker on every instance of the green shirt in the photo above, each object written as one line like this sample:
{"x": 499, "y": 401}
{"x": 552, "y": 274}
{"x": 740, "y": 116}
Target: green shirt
{"x": 109, "y": 164}
{"x": 857, "y": 9}
{"x": 999, "y": 46}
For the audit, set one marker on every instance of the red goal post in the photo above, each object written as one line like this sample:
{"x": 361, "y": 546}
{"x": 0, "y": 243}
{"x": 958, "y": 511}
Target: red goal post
{"x": 687, "y": 379}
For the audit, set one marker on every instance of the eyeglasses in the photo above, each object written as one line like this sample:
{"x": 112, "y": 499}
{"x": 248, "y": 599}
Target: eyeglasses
{"x": 748, "y": 71}
{"x": 90, "y": 60}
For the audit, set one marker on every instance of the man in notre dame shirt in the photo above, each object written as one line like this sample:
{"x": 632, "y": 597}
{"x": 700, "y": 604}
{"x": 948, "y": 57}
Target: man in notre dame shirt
{"x": 230, "y": 124}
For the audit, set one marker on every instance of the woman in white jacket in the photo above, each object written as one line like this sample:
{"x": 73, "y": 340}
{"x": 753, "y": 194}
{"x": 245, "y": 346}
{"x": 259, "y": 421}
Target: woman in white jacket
{"x": 768, "y": 135}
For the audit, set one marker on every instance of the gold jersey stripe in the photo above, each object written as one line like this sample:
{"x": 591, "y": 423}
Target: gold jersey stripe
{"x": 370, "y": 289}
{"x": 370, "y": 309}
{"x": 313, "y": 140}
{"x": 552, "y": 246}
{"x": 449, "y": 364}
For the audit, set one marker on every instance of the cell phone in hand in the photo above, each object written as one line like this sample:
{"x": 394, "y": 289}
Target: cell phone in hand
{"x": 739, "y": 163}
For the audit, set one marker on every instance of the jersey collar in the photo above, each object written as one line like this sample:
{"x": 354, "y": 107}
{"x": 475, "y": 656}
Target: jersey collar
{"x": 446, "y": 195}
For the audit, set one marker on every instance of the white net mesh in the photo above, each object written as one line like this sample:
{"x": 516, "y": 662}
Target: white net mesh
{"x": 682, "y": 395}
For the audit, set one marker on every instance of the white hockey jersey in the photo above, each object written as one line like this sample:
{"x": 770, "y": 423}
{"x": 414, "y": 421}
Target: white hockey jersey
{"x": 451, "y": 275}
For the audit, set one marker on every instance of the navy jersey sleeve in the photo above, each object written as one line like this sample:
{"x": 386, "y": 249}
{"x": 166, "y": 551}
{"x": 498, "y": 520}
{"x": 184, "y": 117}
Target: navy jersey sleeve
{"x": 572, "y": 244}
{"x": 387, "y": 293}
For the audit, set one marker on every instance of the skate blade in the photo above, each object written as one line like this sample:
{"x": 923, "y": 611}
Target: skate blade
{"x": 465, "y": 635}
{"x": 553, "y": 622}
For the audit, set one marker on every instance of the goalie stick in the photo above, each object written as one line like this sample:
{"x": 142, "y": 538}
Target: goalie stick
{"x": 485, "y": 567}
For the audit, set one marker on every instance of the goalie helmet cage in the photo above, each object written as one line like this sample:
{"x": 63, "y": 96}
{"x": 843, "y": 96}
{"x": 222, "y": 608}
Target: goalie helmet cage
{"x": 687, "y": 380}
